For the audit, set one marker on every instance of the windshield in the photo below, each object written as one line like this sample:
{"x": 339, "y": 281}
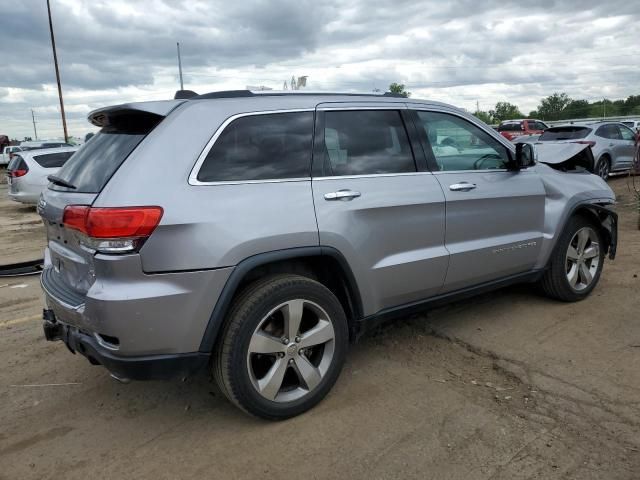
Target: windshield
{"x": 564, "y": 133}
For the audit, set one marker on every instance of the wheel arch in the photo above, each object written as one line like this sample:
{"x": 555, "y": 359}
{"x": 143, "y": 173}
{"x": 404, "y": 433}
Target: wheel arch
{"x": 604, "y": 218}
{"x": 324, "y": 264}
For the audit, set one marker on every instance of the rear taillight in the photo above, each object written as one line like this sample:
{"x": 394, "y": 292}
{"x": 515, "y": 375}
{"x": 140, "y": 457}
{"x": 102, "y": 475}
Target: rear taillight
{"x": 585, "y": 142}
{"x": 112, "y": 229}
{"x": 21, "y": 172}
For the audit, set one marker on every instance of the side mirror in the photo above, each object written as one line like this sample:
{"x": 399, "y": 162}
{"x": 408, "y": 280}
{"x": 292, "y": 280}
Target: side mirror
{"x": 525, "y": 156}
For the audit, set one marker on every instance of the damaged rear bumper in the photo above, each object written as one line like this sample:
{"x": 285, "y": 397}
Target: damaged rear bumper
{"x": 150, "y": 367}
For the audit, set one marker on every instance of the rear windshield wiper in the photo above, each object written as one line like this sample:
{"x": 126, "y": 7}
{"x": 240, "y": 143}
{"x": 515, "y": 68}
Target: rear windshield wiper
{"x": 60, "y": 181}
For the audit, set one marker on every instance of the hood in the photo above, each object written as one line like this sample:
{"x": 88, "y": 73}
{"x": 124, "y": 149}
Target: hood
{"x": 565, "y": 156}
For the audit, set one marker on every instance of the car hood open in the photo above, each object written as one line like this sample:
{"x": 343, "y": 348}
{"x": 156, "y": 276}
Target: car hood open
{"x": 565, "y": 156}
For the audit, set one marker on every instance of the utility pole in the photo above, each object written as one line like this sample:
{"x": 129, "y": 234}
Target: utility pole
{"x": 55, "y": 62}
{"x": 180, "y": 67}
{"x": 477, "y": 106}
{"x": 604, "y": 108}
{"x": 35, "y": 132}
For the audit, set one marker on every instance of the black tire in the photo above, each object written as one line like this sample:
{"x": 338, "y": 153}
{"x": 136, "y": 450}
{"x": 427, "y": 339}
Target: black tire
{"x": 247, "y": 313}
{"x": 603, "y": 167}
{"x": 555, "y": 283}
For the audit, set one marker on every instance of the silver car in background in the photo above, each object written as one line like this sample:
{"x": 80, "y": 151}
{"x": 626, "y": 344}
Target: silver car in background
{"x": 612, "y": 143}
{"x": 27, "y": 172}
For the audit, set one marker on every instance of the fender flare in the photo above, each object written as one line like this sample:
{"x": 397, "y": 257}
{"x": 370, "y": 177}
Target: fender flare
{"x": 245, "y": 266}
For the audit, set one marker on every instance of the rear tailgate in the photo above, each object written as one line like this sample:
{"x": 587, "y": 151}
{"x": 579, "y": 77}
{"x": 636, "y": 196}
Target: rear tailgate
{"x": 124, "y": 127}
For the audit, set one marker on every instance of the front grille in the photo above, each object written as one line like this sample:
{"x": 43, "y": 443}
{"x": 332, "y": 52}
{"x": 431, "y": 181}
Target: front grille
{"x": 54, "y": 286}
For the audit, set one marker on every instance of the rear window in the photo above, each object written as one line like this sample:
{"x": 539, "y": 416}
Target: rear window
{"x": 510, "y": 127}
{"x": 91, "y": 167}
{"x": 564, "y": 133}
{"x": 261, "y": 147}
{"x": 52, "y": 160}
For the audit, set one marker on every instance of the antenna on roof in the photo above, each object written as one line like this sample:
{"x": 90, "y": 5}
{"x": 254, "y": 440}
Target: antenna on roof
{"x": 185, "y": 94}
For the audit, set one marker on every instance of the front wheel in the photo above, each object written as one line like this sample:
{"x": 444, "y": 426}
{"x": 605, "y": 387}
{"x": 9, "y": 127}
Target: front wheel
{"x": 282, "y": 348}
{"x": 576, "y": 263}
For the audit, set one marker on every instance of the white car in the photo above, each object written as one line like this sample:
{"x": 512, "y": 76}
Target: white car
{"x": 7, "y": 153}
{"x": 28, "y": 171}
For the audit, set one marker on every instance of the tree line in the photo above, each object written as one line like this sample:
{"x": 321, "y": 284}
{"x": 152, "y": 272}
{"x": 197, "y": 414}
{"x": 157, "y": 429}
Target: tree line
{"x": 560, "y": 106}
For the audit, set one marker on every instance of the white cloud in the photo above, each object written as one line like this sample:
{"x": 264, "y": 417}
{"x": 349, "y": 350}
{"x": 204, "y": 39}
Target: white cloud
{"x": 460, "y": 52}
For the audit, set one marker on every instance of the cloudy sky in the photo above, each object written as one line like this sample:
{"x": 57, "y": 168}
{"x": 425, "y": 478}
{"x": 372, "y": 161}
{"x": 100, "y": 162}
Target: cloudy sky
{"x": 458, "y": 51}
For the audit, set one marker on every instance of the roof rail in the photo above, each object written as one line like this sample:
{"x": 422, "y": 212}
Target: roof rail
{"x": 276, "y": 93}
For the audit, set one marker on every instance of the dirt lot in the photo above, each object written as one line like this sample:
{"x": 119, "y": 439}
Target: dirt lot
{"x": 508, "y": 385}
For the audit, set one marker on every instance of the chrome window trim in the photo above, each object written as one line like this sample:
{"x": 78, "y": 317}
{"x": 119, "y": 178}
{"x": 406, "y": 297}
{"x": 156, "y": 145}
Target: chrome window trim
{"x": 371, "y": 175}
{"x": 193, "y": 175}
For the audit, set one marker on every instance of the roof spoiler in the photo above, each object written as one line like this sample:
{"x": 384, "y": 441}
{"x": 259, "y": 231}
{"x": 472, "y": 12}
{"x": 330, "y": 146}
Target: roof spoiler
{"x": 103, "y": 117}
{"x": 184, "y": 94}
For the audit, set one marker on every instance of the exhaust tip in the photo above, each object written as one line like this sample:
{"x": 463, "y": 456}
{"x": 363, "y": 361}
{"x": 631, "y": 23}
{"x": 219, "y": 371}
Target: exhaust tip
{"x": 120, "y": 379}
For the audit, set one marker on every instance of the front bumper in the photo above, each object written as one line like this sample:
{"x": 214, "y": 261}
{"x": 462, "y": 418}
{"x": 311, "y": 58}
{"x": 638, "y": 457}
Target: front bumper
{"x": 149, "y": 367}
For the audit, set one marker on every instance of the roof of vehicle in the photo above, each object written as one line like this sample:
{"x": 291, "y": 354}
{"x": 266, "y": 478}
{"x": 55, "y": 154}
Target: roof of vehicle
{"x": 268, "y": 99}
{"x": 520, "y": 120}
{"x": 36, "y": 143}
{"x": 44, "y": 151}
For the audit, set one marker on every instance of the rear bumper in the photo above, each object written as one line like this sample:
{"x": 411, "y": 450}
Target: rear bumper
{"x": 24, "y": 197}
{"x": 149, "y": 367}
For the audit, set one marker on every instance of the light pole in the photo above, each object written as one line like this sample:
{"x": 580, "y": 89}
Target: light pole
{"x": 35, "y": 132}
{"x": 180, "y": 67}
{"x": 55, "y": 62}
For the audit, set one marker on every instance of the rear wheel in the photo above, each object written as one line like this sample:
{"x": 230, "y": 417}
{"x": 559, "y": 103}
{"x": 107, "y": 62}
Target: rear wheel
{"x": 283, "y": 347}
{"x": 603, "y": 167}
{"x": 576, "y": 264}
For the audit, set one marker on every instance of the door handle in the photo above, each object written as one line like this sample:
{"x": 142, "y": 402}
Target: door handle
{"x": 462, "y": 187}
{"x": 341, "y": 195}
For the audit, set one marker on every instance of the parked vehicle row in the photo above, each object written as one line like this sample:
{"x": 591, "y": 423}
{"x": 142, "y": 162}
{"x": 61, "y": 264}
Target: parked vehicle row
{"x": 612, "y": 143}
{"x": 9, "y": 151}
{"x": 256, "y": 234}
{"x": 28, "y": 172}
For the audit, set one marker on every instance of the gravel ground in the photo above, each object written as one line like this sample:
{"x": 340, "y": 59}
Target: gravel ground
{"x": 507, "y": 385}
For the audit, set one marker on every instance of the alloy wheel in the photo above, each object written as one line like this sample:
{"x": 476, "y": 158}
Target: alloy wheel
{"x": 603, "y": 169}
{"x": 583, "y": 258}
{"x": 291, "y": 350}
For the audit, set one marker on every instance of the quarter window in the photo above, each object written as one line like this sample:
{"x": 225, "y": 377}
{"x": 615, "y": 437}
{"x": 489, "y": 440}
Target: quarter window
{"x": 52, "y": 160}
{"x": 460, "y": 145}
{"x": 261, "y": 147}
{"x": 366, "y": 142}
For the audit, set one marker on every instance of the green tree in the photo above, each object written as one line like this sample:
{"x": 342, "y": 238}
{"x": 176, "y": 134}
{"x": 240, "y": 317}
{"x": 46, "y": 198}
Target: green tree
{"x": 576, "y": 109}
{"x": 399, "y": 89}
{"x": 551, "y": 107}
{"x": 505, "y": 111}
{"x": 484, "y": 116}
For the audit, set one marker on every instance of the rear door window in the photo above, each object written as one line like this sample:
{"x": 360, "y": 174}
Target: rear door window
{"x": 52, "y": 160}
{"x": 564, "y": 133}
{"x": 91, "y": 167}
{"x": 261, "y": 147}
{"x": 366, "y": 142}
{"x": 609, "y": 131}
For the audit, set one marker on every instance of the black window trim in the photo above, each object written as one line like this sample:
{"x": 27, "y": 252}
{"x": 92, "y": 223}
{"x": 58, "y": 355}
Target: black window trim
{"x": 424, "y": 141}
{"x": 195, "y": 170}
{"x": 409, "y": 126}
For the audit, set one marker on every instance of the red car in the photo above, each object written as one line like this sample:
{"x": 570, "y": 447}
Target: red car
{"x": 511, "y": 129}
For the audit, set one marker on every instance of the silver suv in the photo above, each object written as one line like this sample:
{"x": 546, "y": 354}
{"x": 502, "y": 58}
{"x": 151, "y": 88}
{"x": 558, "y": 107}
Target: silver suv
{"x": 256, "y": 235}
